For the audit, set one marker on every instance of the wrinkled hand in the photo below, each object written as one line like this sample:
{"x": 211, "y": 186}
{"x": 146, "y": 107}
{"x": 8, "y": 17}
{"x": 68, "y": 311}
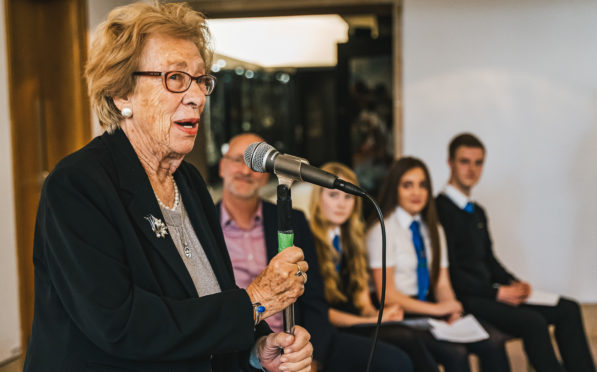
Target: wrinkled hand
{"x": 392, "y": 313}
{"x": 514, "y": 294}
{"x": 298, "y": 351}
{"x": 278, "y": 286}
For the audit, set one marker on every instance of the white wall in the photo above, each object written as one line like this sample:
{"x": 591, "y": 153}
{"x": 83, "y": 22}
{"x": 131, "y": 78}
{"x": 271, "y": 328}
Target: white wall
{"x": 10, "y": 328}
{"x": 522, "y": 75}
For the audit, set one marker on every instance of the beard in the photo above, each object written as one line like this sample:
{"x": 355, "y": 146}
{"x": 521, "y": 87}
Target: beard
{"x": 244, "y": 190}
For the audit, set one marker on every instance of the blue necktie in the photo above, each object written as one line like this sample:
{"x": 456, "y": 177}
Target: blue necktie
{"x": 422, "y": 269}
{"x": 469, "y": 207}
{"x": 336, "y": 244}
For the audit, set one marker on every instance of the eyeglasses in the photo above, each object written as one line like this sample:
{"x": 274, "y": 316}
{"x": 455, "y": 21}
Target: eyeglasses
{"x": 180, "y": 81}
{"x": 237, "y": 160}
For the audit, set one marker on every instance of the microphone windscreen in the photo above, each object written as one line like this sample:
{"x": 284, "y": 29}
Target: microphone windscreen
{"x": 255, "y": 155}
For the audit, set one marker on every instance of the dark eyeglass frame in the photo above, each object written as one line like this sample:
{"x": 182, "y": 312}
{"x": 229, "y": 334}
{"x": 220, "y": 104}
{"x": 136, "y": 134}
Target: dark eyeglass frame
{"x": 235, "y": 159}
{"x": 192, "y": 78}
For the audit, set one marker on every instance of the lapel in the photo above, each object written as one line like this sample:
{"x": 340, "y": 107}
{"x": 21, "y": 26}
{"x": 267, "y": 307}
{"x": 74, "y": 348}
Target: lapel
{"x": 138, "y": 197}
{"x": 270, "y": 229}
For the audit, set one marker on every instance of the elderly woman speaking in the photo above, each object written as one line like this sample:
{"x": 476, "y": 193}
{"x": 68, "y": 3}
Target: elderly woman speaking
{"x": 131, "y": 268}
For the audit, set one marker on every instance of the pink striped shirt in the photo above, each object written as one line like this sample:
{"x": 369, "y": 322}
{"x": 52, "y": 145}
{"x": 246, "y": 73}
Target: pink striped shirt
{"x": 247, "y": 253}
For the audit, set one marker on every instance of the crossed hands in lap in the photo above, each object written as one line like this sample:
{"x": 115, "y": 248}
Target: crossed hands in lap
{"x": 514, "y": 294}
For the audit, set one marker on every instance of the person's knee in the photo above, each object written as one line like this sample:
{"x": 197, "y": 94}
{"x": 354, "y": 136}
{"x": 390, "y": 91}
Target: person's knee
{"x": 351, "y": 352}
{"x": 569, "y": 307}
{"x": 398, "y": 335}
{"x": 492, "y": 349}
{"x": 569, "y": 314}
{"x": 389, "y": 358}
{"x": 533, "y": 324}
{"x": 497, "y": 337}
{"x": 455, "y": 358}
{"x": 460, "y": 352}
{"x": 493, "y": 344}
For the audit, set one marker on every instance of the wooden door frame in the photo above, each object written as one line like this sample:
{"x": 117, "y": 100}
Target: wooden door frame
{"x": 49, "y": 110}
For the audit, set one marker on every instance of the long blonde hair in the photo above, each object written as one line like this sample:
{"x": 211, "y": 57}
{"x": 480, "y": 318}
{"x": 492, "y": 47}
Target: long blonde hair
{"x": 353, "y": 244}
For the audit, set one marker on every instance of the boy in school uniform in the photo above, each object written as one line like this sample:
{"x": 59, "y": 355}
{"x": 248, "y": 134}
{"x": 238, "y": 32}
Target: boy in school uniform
{"x": 484, "y": 286}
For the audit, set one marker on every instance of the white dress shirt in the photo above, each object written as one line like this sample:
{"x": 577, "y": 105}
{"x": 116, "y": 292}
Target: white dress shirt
{"x": 400, "y": 249}
{"x": 333, "y": 232}
{"x": 456, "y": 196}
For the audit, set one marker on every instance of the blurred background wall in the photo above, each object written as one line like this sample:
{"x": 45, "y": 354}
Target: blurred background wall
{"x": 522, "y": 75}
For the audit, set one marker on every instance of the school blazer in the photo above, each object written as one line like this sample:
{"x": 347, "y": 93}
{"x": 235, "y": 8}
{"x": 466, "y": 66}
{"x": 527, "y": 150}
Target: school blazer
{"x": 110, "y": 295}
{"x": 474, "y": 269}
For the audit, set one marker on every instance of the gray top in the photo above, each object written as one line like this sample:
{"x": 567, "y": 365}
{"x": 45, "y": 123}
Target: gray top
{"x": 190, "y": 249}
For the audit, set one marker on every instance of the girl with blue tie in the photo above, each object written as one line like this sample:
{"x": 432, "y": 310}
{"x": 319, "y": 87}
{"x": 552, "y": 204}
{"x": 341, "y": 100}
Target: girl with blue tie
{"x": 417, "y": 265}
{"x": 339, "y": 233}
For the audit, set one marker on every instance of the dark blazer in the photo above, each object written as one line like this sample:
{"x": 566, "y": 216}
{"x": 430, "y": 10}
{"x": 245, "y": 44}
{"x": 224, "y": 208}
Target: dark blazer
{"x": 474, "y": 269}
{"x": 112, "y": 296}
{"x": 311, "y": 309}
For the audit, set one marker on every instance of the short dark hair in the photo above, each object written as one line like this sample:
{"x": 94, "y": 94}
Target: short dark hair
{"x": 464, "y": 139}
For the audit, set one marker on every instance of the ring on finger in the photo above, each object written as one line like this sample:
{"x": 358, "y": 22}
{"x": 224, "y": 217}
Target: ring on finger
{"x": 299, "y": 272}
{"x": 304, "y": 275}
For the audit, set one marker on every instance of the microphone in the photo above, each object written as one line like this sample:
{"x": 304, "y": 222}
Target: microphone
{"x": 262, "y": 157}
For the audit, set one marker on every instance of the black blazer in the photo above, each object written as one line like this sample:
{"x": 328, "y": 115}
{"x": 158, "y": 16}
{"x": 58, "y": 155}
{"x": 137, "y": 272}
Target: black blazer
{"x": 109, "y": 294}
{"x": 311, "y": 309}
{"x": 474, "y": 269}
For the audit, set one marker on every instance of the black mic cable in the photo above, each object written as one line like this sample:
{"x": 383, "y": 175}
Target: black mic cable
{"x": 383, "y": 279}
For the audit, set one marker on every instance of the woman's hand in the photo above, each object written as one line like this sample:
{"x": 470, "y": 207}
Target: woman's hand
{"x": 281, "y": 282}
{"x": 392, "y": 313}
{"x": 449, "y": 307}
{"x": 455, "y": 315}
{"x": 298, "y": 351}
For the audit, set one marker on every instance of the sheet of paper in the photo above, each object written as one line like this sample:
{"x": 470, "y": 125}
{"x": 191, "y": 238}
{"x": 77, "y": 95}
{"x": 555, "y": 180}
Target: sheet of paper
{"x": 542, "y": 298}
{"x": 465, "y": 329}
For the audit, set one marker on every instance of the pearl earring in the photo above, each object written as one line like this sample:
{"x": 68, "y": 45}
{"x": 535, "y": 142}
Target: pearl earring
{"x": 127, "y": 112}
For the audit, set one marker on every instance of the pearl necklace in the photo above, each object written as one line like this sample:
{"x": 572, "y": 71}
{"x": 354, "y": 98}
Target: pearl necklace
{"x": 176, "y": 197}
{"x": 185, "y": 245}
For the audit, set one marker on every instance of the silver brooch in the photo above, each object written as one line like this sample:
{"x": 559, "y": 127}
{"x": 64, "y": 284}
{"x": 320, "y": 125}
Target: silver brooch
{"x": 158, "y": 227}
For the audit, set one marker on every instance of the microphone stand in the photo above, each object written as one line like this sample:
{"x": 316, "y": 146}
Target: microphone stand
{"x": 285, "y": 235}
{"x": 289, "y": 168}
